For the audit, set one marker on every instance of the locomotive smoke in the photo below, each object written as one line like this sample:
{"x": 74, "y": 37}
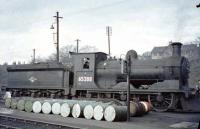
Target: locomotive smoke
{"x": 182, "y": 18}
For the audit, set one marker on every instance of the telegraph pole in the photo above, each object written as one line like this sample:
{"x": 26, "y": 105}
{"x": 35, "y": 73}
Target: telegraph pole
{"x": 77, "y": 44}
{"x": 109, "y": 33}
{"x": 57, "y": 43}
{"x": 34, "y": 55}
{"x": 128, "y": 86}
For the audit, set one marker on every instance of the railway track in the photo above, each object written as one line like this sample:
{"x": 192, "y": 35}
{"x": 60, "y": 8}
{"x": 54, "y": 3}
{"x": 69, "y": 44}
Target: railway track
{"x": 12, "y": 122}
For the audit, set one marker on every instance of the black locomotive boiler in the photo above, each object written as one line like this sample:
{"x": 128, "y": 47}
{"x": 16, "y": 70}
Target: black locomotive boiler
{"x": 163, "y": 82}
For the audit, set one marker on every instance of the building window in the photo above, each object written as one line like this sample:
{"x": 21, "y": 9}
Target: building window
{"x": 86, "y": 63}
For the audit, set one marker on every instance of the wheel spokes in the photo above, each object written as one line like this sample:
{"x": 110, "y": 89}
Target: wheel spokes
{"x": 161, "y": 104}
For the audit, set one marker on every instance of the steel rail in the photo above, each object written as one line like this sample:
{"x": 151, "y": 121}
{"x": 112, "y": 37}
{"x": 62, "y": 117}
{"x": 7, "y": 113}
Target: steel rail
{"x": 12, "y": 122}
{"x": 3, "y": 126}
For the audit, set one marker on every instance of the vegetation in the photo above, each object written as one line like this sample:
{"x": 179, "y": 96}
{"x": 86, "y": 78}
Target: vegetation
{"x": 64, "y": 53}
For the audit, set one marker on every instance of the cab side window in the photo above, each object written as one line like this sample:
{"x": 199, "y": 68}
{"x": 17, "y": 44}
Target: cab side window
{"x": 86, "y": 63}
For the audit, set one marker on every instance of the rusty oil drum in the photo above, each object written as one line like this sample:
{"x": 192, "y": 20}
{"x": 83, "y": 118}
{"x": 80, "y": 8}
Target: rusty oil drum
{"x": 139, "y": 108}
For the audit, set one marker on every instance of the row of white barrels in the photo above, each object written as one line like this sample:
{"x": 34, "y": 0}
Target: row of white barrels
{"x": 77, "y": 108}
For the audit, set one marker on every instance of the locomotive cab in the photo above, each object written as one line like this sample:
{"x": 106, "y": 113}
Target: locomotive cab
{"x": 84, "y": 69}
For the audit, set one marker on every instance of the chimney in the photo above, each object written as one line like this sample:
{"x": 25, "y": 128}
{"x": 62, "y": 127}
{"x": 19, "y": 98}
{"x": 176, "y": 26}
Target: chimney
{"x": 176, "y": 49}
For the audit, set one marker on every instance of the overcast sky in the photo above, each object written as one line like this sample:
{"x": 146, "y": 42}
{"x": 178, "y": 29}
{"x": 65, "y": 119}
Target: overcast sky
{"x": 136, "y": 24}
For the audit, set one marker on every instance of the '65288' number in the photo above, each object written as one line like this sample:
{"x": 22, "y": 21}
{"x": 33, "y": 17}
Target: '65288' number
{"x": 85, "y": 79}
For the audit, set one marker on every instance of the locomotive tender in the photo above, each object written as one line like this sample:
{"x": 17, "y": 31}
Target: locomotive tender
{"x": 163, "y": 82}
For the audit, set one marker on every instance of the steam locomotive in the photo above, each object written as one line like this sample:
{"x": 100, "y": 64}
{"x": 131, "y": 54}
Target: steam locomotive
{"x": 163, "y": 82}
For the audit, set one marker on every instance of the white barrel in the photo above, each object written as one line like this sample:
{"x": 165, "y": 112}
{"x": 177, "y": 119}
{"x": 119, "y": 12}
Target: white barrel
{"x": 55, "y": 108}
{"x": 37, "y": 107}
{"x": 65, "y": 110}
{"x": 98, "y": 112}
{"x": 7, "y": 95}
{"x": 66, "y": 107}
{"x": 52, "y": 105}
{"x": 46, "y": 107}
{"x": 115, "y": 113}
{"x": 77, "y": 109}
{"x": 88, "y": 112}
{"x": 8, "y": 102}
